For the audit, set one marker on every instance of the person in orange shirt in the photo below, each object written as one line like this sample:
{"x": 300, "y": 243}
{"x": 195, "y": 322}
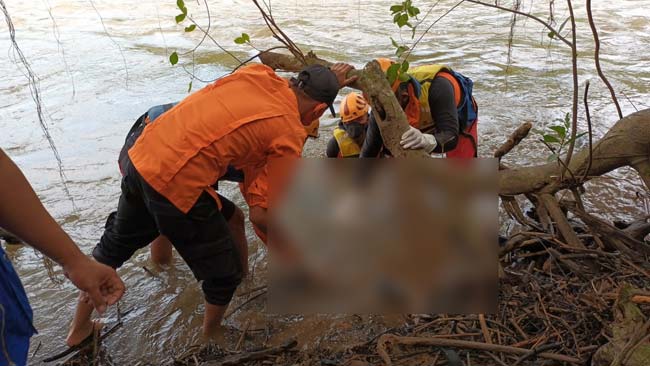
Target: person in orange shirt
{"x": 241, "y": 120}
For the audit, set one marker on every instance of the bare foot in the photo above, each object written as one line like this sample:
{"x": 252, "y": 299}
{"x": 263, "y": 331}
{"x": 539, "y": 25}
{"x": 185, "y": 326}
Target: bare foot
{"x": 79, "y": 332}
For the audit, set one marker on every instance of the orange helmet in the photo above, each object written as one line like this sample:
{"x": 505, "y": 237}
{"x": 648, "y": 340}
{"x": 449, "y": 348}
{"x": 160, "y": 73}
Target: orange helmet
{"x": 385, "y": 63}
{"x": 352, "y": 107}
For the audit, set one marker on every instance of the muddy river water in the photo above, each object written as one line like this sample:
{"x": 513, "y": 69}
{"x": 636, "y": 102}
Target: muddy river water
{"x": 98, "y": 75}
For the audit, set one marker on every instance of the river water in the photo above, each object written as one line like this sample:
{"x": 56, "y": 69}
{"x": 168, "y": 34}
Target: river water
{"x": 101, "y": 64}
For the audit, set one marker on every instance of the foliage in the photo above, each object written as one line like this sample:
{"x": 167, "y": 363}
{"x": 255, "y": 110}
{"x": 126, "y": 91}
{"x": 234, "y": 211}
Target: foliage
{"x": 402, "y": 13}
{"x": 557, "y": 137}
{"x": 244, "y": 38}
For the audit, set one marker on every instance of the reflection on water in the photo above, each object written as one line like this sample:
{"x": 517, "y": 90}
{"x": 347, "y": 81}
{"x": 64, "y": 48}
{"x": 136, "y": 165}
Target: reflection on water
{"x": 89, "y": 128}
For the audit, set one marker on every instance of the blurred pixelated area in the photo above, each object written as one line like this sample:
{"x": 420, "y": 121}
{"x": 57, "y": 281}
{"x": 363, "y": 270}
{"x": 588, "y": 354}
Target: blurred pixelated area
{"x": 383, "y": 236}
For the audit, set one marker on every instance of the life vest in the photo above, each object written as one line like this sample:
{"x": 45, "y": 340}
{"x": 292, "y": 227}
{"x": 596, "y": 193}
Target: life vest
{"x": 467, "y": 108}
{"x": 347, "y": 146}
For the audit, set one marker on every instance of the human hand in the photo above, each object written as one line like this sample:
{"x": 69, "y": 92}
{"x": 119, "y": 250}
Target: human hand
{"x": 101, "y": 284}
{"x": 415, "y": 139}
{"x": 341, "y": 70}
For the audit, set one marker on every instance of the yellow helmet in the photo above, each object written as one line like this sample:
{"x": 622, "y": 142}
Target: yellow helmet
{"x": 352, "y": 107}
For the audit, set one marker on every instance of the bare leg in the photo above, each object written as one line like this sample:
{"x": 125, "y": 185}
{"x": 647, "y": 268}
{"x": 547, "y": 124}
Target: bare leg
{"x": 238, "y": 232}
{"x": 82, "y": 325}
{"x": 161, "y": 251}
{"x": 212, "y": 319}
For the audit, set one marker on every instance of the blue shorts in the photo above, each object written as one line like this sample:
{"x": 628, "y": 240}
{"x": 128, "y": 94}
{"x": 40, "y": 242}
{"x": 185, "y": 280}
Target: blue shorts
{"x": 15, "y": 316}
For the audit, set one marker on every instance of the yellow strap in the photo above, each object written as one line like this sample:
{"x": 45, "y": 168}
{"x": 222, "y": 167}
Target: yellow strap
{"x": 347, "y": 146}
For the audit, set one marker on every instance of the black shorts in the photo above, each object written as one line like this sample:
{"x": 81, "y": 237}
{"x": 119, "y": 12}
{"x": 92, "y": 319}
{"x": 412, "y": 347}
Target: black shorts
{"x": 201, "y": 236}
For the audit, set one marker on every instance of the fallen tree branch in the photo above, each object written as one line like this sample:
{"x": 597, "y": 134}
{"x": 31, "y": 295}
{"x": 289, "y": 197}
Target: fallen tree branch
{"x": 563, "y": 226}
{"x": 456, "y": 343}
{"x": 515, "y": 138}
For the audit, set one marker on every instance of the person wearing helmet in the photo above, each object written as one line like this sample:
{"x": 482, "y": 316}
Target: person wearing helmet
{"x": 441, "y": 111}
{"x": 351, "y": 131}
{"x": 243, "y": 120}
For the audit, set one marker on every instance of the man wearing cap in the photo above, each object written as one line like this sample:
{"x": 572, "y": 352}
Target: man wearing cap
{"x": 241, "y": 120}
{"x": 351, "y": 131}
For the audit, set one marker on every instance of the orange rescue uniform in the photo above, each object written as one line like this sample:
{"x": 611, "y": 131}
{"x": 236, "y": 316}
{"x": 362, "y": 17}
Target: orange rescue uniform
{"x": 240, "y": 120}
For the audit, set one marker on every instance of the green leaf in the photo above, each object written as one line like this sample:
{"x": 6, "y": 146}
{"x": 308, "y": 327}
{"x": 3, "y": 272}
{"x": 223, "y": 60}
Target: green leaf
{"x": 396, "y": 8}
{"x": 413, "y": 11}
{"x": 180, "y": 4}
{"x": 394, "y": 42}
{"x": 173, "y": 58}
{"x": 190, "y": 28}
{"x": 400, "y": 51}
{"x": 246, "y": 37}
{"x": 551, "y": 139}
{"x": 180, "y": 18}
{"x": 580, "y": 135}
{"x": 551, "y": 34}
{"x": 560, "y": 130}
{"x": 403, "y": 77}
{"x": 405, "y": 66}
{"x": 396, "y": 17}
{"x": 240, "y": 40}
{"x": 402, "y": 20}
{"x": 391, "y": 73}
{"x": 189, "y": 87}
{"x": 563, "y": 24}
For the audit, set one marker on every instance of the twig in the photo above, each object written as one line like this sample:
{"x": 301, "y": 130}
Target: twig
{"x": 556, "y": 33}
{"x": 441, "y": 342}
{"x": 574, "y": 117}
{"x": 252, "y": 356}
{"x": 244, "y": 304}
{"x": 591, "y": 148}
{"x": 484, "y": 329}
{"x": 83, "y": 344}
{"x": 35, "y": 92}
{"x": 514, "y": 139}
{"x": 243, "y": 335}
{"x": 101, "y": 19}
{"x": 431, "y": 26}
{"x": 597, "y": 59}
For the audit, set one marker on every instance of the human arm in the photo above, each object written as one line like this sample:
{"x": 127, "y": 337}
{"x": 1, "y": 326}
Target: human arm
{"x": 373, "y": 142}
{"x": 332, "y": 150}
{"x": 445, "y": 115}
{"x": 23, "y": 214}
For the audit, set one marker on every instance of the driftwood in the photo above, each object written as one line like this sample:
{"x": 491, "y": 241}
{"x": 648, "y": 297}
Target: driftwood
{"x": 241, "y": 358}
{"x": 515, "y": 138}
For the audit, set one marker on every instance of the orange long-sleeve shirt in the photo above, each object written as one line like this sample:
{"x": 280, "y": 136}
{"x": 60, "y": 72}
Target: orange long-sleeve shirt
{"x": 242, "y": 120}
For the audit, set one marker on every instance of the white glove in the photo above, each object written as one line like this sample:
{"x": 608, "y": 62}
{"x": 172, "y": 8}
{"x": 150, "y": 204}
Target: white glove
{"x": 414, "y": 139}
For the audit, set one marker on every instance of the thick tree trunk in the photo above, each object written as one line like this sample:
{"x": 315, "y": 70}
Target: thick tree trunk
{"x": 626, "y": 144}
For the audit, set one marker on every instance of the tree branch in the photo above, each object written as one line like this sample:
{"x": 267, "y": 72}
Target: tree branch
{"x": 556, "y": 33}
{"x": 597, "y": 59}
